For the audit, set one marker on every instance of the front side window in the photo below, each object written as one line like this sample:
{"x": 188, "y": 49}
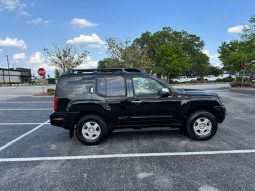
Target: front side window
{"x": 111, "y": 86}
{"x": 146, "y": 86}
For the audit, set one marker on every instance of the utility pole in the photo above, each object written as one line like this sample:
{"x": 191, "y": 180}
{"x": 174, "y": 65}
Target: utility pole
{"x": 7, "y": 58}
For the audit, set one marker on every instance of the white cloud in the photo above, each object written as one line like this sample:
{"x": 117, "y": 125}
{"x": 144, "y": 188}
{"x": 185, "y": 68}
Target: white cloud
{"x": 9, "y": 42}
{"x": 37, "y": 21}
{"x": 82, "y": 23}
{"x": 19, "y": 57}
{"x": 89, "y": 64}
{"x": 24, "y": 13}
{"x": 87, "y": 40}
{"x": 11, "y": 5}
{"x": 36, "y": 58}
{"x": 236, "y": 29}
{"x": 214, "y": 58}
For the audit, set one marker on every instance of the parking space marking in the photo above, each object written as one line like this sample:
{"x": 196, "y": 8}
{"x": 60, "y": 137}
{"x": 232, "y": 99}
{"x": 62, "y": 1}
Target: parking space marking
{"x": 7, "y": 102}
{"x": 22, "y": 123}
{"x": 16, "y": 95}
{"x": 22, "y": 136}
{"x": 132, "y": 155}
{"x": 40, "y": 109}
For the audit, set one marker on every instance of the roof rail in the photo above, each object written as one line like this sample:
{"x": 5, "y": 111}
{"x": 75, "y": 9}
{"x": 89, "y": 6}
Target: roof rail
{"x": 84, "y": 71}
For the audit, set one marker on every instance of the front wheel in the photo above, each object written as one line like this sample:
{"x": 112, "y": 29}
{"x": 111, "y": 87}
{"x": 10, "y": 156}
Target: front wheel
{"x": 91, "y": 130}
{"x": 201, "y": 125}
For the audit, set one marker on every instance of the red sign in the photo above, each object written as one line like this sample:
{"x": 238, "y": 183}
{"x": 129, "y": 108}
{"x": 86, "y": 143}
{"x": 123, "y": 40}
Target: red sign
{"x": 41, "y": 72}
{"x": 245, "y": 65}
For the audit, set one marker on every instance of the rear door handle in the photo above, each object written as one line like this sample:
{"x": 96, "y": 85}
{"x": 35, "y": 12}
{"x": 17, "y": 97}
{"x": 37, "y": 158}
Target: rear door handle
{"x": 136, "y": 101}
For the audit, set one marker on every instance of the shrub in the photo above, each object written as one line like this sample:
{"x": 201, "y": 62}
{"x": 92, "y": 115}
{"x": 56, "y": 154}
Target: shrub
{"x": 239, "y": 84}
{"x": 50, "y": 91}
{"x": 244, "y": 79}
{"x": 227, "y": 79}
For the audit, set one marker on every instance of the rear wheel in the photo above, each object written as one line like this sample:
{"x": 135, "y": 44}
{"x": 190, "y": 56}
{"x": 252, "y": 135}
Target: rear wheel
{"x": 201, "y": 125}
{"x": 91, "y": 130}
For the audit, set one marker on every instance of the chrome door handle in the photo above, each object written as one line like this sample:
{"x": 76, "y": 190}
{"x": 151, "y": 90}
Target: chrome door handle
{"x": 136, "y": 101}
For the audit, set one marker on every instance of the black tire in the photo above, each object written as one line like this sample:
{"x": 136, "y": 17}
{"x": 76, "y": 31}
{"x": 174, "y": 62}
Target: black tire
{"x": 102, "y": 130}
{"x": 199, "y": 116}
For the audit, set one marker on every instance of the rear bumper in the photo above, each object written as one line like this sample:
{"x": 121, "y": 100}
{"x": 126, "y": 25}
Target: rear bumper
{"x": 63, "y": 119}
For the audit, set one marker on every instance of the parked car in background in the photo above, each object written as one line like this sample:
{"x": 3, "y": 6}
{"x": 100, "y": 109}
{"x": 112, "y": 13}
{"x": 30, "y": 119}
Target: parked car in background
{"x": 210, "y": 78}
{"x": 222, "y": 76}
{"x": 182, "y": 79}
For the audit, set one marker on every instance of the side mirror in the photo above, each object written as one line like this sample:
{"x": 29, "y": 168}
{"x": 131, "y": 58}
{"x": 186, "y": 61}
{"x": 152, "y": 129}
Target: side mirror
{"x": 164, "y": 92}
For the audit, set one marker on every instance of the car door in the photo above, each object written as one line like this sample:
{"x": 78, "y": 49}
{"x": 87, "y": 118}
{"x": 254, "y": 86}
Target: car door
{"x": 112, "y": 92}
{"x": 145, "y": 105}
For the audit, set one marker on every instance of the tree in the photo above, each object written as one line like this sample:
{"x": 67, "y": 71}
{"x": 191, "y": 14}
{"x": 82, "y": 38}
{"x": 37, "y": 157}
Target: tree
{"x": 172, "y": 59}
{"x": 233, "y": 54}
{"x": 214, "y": 70}
{"x": 64, "y": 58}
{"x": 249, "y": 31}
{"x": 109, "y": 63}
{"x": 124, "y": 55}
{"x": 236, "y": 52}
{"x": 200, "y": 65}
{"x": 57, "y": 74}
{"x": 191, "y": 44}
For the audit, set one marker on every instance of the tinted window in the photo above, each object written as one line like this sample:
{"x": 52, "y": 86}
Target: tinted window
{"x": 111, "y": 86}
{"x": 143, "y": 86}
{"x": 101, "y": 87}
{"x": 74, "y": 86}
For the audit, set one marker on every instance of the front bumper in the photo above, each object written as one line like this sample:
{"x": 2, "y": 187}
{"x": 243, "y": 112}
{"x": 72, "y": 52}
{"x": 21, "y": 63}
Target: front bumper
{"x": 221, "y": 113}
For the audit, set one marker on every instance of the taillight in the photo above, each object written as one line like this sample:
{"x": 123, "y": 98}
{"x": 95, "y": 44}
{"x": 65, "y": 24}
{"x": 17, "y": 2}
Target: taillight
{"x": 55, "y": 103}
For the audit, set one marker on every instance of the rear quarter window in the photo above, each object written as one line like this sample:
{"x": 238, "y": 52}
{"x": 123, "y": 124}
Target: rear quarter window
{"x": 74, "y": 86}
{"x": 111, "y": 86}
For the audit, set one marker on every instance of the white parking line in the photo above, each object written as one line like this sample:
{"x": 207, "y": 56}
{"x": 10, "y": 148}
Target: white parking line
{"x": 22, "y": 123}
{"x": 22, "y": 136}
{"x": 132, "y": 155}
{"x": 40, "y": 109}
{"x": 16, "y": 95}
{"x": 7, "y": 102}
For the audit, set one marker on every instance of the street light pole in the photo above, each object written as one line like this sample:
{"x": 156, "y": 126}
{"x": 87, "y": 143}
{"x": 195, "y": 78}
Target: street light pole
{"x": 7, "y": 58}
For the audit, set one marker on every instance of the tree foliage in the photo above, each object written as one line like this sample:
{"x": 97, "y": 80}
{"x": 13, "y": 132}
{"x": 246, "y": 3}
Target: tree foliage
{"x": 200, "y": 64}
{"x": 190, "y": 44}
{"x": 125, "y": 54}
{"x": 214, "y": 70}
{"x": 64, "y": 58}
{"x": 57, "y": 74}
{"x": 165, "y": 52}
{"x": 236, "y": 52}
{"x": 172, "y": 59}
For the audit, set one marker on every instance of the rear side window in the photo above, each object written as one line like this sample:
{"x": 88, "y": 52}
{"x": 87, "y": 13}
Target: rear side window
{"x": 111, "y": 86}
{"x": 74, "y": 86}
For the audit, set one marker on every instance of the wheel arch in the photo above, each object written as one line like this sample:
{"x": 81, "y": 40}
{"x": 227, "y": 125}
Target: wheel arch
{"x": 209, "y": 109}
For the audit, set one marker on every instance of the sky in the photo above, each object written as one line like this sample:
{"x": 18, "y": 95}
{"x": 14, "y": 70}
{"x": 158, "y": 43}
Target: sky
{"x": 29, "y": 26}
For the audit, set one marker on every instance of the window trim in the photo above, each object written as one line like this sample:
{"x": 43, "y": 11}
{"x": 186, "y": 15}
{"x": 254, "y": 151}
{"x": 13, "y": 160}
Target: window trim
{"x": 125, "y": 83}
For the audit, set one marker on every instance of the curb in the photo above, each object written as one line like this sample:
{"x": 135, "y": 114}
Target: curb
{"x": 243, "y": 89}
{"x": 41, "y": 96}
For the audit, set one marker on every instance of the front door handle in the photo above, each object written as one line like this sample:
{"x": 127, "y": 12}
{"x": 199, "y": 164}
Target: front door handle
{"x": 136, "y": 101}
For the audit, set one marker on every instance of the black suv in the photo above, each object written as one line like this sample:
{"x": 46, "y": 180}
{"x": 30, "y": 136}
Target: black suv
{"x": 94, "y": 102}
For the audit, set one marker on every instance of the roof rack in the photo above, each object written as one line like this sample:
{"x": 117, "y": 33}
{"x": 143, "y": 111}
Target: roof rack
{"x": 85, "y": 71}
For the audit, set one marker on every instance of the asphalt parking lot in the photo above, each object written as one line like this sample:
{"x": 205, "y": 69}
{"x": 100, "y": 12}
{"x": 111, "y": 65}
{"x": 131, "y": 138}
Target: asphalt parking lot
{"x": 37, "y": 156}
